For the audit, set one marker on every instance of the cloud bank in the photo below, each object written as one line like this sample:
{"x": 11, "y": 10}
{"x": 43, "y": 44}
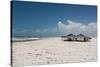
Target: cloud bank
{"x": 70, "y": 27}
{"x": 76, "y": 28}
{"x": 61, "y": 29}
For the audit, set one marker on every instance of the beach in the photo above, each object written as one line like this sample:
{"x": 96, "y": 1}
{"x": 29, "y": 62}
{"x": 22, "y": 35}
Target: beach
{"x": 53, "y": 51}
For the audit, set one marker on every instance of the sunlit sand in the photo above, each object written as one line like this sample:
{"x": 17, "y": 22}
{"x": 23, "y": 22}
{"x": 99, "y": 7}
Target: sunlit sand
{"x": 53, "y": 51}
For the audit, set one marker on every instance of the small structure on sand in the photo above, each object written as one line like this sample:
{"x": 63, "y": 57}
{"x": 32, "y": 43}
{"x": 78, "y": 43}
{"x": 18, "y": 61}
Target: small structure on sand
{"x": 82, "y": 37}
{"x": 72, "y": 37}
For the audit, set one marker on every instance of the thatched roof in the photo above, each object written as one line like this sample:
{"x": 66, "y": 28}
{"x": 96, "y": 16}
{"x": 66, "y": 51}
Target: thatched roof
{"x": 70, "y": 35}
{"x": 81, "y": 35}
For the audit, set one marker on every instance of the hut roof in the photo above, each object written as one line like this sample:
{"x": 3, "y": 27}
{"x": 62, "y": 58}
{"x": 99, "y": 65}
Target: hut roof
{"x": 70, "y": 35}
{"x": 81, "y": 35}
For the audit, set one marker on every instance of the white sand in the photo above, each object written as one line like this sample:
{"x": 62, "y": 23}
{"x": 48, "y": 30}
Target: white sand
{"x": 53, "y": 51}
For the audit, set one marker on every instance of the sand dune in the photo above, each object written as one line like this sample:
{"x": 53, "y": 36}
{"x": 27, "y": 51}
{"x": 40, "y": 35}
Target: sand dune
{"x": 53, "y": 51}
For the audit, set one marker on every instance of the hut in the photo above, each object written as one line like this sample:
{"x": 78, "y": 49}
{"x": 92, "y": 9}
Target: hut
{"x": 71, "y": 37}
{"x": 82, "y": 37}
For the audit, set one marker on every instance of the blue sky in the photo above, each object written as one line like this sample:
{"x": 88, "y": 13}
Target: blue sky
{"x": 32, "y": 18}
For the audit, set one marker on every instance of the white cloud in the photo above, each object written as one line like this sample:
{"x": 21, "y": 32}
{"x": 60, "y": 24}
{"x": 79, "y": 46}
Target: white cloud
{"x": 70, "y": 27}
{"x": 60, "y": 29}
{"x": 76, "y": 28}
